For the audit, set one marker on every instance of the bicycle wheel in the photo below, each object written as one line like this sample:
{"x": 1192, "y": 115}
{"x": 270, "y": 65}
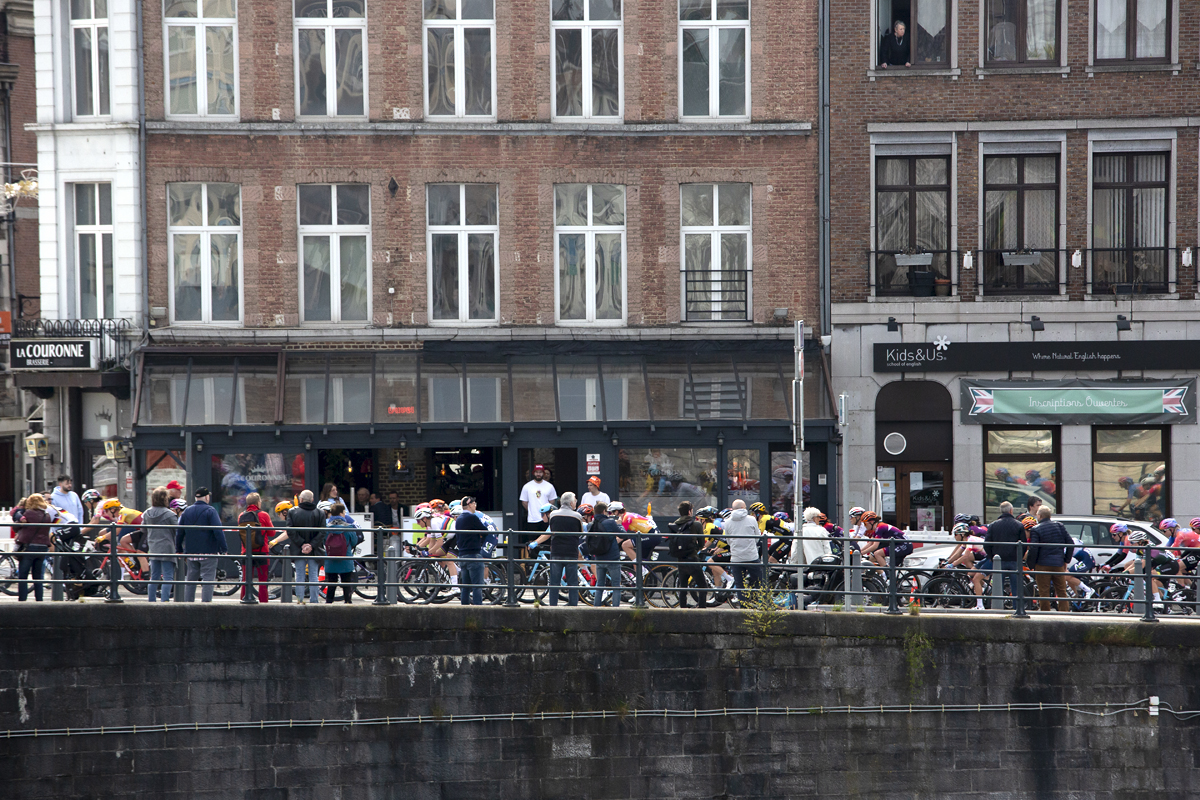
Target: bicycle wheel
{"x": 668, "y": 594}
{"x": 875, "y": 588}
{"x": 1115, "y": 600}
{"x": 654, "y": 586}
{"x": 495, "y": 580}
{"x": 410, "y": 576}
{"x": 367, "y": 585}
{"x": 9, "y": 569}
{"x": 229, "y": 578}
{"x": 945, "y": 592}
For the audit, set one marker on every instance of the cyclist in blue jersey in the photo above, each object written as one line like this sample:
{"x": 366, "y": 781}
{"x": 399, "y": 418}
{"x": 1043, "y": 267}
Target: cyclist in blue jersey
{"x": 1082, "y": 563}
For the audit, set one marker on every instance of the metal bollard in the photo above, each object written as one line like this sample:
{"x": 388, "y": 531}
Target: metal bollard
{"x": 847, "y": 573}
{"x": 56, "y": 587}
{"x": 248, "y": 597}
{"x": 1147, "y": 587}
{"x": 289, "y": 576}
{"x": 893, "y": 588}
{"x": 1018, "y": 590}
{"x": 393, "y": 568}
{"x": 639, "y": 600}
{"x": 381, "y": 598}
{"x": 510, "y": 569}
{"x": 997, "y": 593}
{"x": 180, "y": 577}
{"x": 856, "y": 596}
{"x": 114, "y": 568}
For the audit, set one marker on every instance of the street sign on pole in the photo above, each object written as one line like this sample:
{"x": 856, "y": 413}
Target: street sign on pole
{"x": 798, "y": 427}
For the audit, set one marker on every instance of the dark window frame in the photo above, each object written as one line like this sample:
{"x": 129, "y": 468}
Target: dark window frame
{"x": 1129, "y": 185}
{"x": 992, "y": 256}
{"x": 1055, "y": 455}
{"x": 913, "y": 189}
{"x": 910, "y": 27}
{"x": 1163, "y": 455}
{"x": 1131, "y": 36}
{"x": 1023, "y": 21}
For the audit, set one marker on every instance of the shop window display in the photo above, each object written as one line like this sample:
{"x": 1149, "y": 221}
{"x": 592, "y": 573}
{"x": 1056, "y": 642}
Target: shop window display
{"x": 1129, "y": 472}
{"x": 1019, "y": 464}
{"x": 659, "y": 478}
{"x": 275, "y": 476}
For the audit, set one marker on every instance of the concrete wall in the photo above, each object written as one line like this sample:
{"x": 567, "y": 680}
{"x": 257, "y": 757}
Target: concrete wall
{"x": 91, "y": 665}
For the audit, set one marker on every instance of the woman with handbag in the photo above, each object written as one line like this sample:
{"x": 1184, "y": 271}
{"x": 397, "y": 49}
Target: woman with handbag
{"x": 33, "y": 539}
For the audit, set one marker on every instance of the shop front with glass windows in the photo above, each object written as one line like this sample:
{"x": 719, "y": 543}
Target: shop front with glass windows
{"x": 704, "y": 422}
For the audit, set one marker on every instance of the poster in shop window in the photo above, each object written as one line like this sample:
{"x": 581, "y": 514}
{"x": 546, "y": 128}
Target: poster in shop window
{"x": 1077, "y": 402}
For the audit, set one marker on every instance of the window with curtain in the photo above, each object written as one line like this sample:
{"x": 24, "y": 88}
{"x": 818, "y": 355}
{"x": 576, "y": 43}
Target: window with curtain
{"x": 463, "y": 229}
{"x": 204, "y": 229}
{"x": 912, "y": 219}
{"x": 89, "y": 57}
{"x": 1020, "y": 224}
{"x": 714, "y": 59}
{"x": 587, "y": 58}
{"x": 926, "y": 39}
{"x": 335, "y": 247}
{"x": 460, "y": 70}
{"x": 201, "y": 38}
{"x": 715, "y": 221}
{"x": 330, "y": 57}
{"x": 1022, "y": 32}
{"x": 1133, "y": 30}
{"x": 589, "y": 226}
{"x": 1129, "y": 221}
{"x": 94, "y": 250}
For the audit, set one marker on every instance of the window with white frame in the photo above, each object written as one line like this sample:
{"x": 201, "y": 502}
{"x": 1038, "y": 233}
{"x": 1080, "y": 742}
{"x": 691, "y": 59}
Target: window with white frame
{"x": 349, "y": 399}
{"x": 204, "y": 226}
{"x": 89, "y": 57}
{"x": 714, "y": 58}
{"x": 335, "y": 246}
{"x": 462, "y": 232}
{"x": 201, "y": 57}
{"x": 1022, "y": 32}
{"x": 716, "y": 250}
{"x": 94, "y": 250}
{"x": 1133, "y": 30}
{"x": 460, "y": 72}
{"x": 589, "y": 228}
{"x": 587, "y": 59}
{"x": 330, "y": 58}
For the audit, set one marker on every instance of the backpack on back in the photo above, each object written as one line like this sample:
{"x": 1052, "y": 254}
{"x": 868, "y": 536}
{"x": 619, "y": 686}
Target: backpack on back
{"x": 335, "y": 540}
{"x": 248, "y": 527}
{"x": 598, "y": 544}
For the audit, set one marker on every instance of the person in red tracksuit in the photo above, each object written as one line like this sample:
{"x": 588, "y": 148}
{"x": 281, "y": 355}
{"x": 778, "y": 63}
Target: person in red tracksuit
{"x": 262, "y": 566}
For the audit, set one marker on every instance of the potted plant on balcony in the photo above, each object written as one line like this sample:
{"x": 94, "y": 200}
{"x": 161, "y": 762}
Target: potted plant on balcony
{"x": 920, "y": 278}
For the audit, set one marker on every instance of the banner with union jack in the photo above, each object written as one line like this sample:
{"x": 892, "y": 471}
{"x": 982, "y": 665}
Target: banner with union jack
{"x": 1078, "y": 402}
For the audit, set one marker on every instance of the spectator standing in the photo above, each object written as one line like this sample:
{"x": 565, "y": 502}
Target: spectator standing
{"x": 341, "y": 537}
{"x": 160, "y": 544}
{"x": 593, "y": 495}
{"x": 383, "y": 515}
{"x": 894, "y": 47}
{"x": 743, "y": 534}
{"x": 814, "y": 541}
{"x": 1005, "y": 540}
{"x": 687, "y": 537}
{"x": 1049, "y": 560}
{"x": 174, "y": 491}
{"x": 362, "y": 499}
{"x": 306, "y": 537}
{"x": 202, "y": 544}
{"x": 33, "y": 542}
{"x": 255, "y": 524}
{"x": 566, "y": 527}
{"x": 469, "y": 536}
{"x": 534, "y": 495}
{"x": 605, "y": 530}
{"x": 63, "y": 497}
{"x": 1032, "y": 504}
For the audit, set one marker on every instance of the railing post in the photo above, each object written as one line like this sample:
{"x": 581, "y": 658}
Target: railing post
{"x": 764, "y": 541}
{"x": 639, "y": 600}
{"x": 997, "y": 591}
{"x": 248, "y": 597}
{"x": 288, "y": 574}
{"x": 856, "y": 597}
{"x": 393, "y": 568}
{"x": 381, "y": 598}
{"x": 1148, "y": 586}
{"x": 1018, "y": 587}
{"x": 510, "y": 569}
{"x": 893, "y": 589}
{"x": 114, "y": 568}
{"x": 180, "y": 577}
{"x": 56, "y": 587}
{"x": 847, "y": 574}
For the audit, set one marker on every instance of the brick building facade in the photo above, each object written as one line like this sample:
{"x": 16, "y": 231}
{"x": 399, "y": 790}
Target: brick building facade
{"x": 1027, "y": 182}
{"x": 501, "y": 371}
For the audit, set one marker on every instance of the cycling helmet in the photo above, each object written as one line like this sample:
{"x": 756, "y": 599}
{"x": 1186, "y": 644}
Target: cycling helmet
{"x": 617, "y": 507}
{"x": 91, "y": 496}
{"x": 974, "y": 520}
{"x": 455, "y": 512}
{"x": 283, "y": 507}
{"x": 782, "y": 516}
{"x": 1028, "y": 521}
{"x": 1138, "y": 538}
{"x": 758, "y": 508}
{"x": 325, "y": 505}
{"x": 1167, "y": 524}
{"x": 857, "y": 511}
{"x": 435, "y": 504}
{"x": 708, "y": 512}
{"x": 586, "y": 510}
{"x": 822, "y": 519}
{"x": 870, "y": 518}
{"x": 422, "y": 513}
{"x": 961, "y": 529}
{"x": 1148, "y": 481}
{"x": 1194, "y": 523}
{"x": 1002, "y": 472}
{"x": 959, "y": 518}
{"x": 1032, "y": 475}
{"x": 455, "y": 504}
{"x": 110, "y": 504}
{"x": 177, "y": 505}
{"x": 1125, "y": 481}
{"x": 546, "y": 508}
{"x": 1119, "y": 527}
{"x": 726, "y": 513}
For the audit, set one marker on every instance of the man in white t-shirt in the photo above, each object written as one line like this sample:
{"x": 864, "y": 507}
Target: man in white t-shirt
{"x": 593, "y": 494}
{"x": 534, "y": 494}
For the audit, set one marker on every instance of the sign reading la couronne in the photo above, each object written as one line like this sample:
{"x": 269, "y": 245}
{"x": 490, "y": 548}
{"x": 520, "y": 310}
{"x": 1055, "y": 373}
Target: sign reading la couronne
{"x": 1078, "y": 402}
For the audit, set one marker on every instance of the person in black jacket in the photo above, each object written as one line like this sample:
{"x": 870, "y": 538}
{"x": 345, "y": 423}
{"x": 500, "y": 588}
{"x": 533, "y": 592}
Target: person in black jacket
{"x": 566, "y": 528}
{"x": 306, "y": 537}
{"x": 468, "y": 540}
{"x": 1005, "y": 541}
{"x": 607, "y": 563}
{"x": 1050, "y": 563}
{"x": 895, "y": 47}
{"x": 687, "y": 537}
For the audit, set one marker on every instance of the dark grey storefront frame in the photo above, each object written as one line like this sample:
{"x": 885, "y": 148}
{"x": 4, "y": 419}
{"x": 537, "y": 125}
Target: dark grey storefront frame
{"x": 586, "y": 437}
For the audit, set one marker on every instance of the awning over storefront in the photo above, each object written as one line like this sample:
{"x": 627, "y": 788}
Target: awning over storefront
{"x": 455, "y": 386}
